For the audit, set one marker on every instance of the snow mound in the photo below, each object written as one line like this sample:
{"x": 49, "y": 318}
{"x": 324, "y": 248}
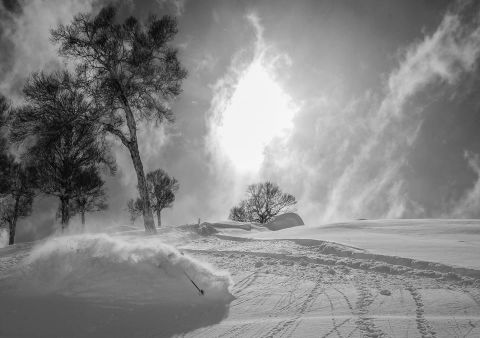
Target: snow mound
{"x": 230, "y": 225}
{"x": 99, "y": 285}
{"x": 284, "y": 221}
{"x": 140, "y": 270}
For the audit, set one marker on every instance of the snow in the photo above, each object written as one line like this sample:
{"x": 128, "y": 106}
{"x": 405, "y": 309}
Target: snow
{"x": 284, "y": 221}
{"x": 451, "y": 242}
{"x": 131, "y": 285}
{"x": 141, "y": 279}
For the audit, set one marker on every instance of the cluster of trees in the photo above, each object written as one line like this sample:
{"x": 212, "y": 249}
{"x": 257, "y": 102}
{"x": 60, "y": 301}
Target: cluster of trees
{"x": 125, "y": 74}
{"x": 264, "y": 201}
{"x": 161, "y": 193}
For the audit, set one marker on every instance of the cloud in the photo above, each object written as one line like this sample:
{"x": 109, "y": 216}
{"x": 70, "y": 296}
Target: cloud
{"x": 177, "y": 5}
{"x": 468, "y": 205}
{"x": 348, "y": 159}
{"x": 249, "y": 110}
{"x": 27, "y": 35}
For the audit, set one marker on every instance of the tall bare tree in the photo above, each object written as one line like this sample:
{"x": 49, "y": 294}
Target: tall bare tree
{"x": 131, "y": 71}
{"x": 56, "y": 131}
{"x": 264, "y": 201}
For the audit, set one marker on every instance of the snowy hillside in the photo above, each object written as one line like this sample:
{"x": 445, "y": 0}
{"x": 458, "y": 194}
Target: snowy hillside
{"x": 130, "y": 285}
{"x": 452, "y": 242}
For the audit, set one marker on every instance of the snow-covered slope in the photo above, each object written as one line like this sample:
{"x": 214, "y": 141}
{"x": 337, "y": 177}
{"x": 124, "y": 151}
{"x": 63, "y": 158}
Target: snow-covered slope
{"x": 99, "y": 285}
{"x": 452, "y": 242}
{"x": 132, "y": 285}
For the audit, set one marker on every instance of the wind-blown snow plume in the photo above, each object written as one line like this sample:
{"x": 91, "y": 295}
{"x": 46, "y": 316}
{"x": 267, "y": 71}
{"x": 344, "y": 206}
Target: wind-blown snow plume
{"x": 356, "y": 154}
{"x": 100, "y": 285}
{"x": 468, "y": 205}
{"x": 139, "y": 270}
{"x": 3, "y": 237}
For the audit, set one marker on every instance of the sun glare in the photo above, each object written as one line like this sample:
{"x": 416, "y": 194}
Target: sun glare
{"x": 258, "y": 111}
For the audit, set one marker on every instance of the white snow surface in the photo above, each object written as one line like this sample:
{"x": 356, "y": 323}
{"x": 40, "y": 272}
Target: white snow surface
{"x": 139, "y": 277}
{"x": 452, "y": 242}
{"x": 129, "y": 285}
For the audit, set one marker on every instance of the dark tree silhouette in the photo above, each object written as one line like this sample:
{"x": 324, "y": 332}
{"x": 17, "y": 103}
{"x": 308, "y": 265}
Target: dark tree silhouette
{"x": 161, "y": 189}
{"x": 56, "y": 130}
{"x": 131, "y": 71}
{"x": 17, "y": 182}
{"x": 17, "y": 200}
{"x": 264, "y": 201}
{"x": 135, "y": 208}
{"x": 4, "y": 154}
{"x": 89, "y": 193}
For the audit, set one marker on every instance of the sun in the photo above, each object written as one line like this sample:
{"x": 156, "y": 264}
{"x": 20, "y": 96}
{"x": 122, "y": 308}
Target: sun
{"x": 258, "y": 111}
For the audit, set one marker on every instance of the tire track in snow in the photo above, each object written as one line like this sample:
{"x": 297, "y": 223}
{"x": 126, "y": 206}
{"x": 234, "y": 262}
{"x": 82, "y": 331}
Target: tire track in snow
{"x": 423, "y": 325}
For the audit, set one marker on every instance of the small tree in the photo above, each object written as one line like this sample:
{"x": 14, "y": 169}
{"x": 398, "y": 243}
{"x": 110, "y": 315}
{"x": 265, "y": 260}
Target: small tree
{"x": 161, "y": 189}
{"x": 264, "y": 201}
{"x": 60, "y": 140}
{"x": 130, "y": 70}
{"x": 89, "y": 193}
{"x": 135, "y": 208}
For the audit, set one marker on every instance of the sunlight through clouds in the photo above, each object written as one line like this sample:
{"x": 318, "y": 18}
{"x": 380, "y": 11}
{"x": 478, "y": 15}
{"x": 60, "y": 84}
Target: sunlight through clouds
{"x": 258, "y": 111}
{"x": 253, "y": 111}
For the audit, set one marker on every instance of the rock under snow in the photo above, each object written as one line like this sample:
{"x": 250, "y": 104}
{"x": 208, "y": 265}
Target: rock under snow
{"x": 284, "y": 221}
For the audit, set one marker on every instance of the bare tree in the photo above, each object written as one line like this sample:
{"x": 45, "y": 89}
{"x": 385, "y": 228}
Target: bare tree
{"x": 135, "y": 208}
{"x": 131, "y": 71}
{"x": 161, "y": 189}
{"x": 89, "y": 193}
{"x": 264, "y": 201}
{"x": 56, "y": 130}
{"x": 161, "y": 192}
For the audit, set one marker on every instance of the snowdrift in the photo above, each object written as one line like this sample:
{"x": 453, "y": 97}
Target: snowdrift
{"x": 284, "y": 221}
{"x": 229, "y": 225}
{"x": 445, "y": 241}
{"x": 124, "y": 284}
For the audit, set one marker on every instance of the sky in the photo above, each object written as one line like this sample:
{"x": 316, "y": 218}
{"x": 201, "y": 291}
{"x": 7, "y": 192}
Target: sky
{"x": 360, "y": 109}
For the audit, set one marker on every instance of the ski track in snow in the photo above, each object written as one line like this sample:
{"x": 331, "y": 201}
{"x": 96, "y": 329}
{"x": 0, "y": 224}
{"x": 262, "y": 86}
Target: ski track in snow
{"x": 283, "y": 289}
{"x": 289, "y": 290}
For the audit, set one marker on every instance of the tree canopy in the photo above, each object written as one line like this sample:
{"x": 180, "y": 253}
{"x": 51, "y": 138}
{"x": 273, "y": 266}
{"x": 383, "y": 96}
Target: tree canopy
{"x": 130, "y": 72}
{"x": 56, "y": 131}
{"x": 264, "y": 201}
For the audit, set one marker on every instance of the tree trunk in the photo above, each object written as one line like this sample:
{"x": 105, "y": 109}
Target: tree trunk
{"x": 11, "y": 233}
{"x": 12, "y": 226}
{"x": 82, "y": 213}
{"x": 159, "y": 219}
{"x": 142, "y": 189}
{"x": 132, "y": 146}
{"x": 65, "y": 200}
